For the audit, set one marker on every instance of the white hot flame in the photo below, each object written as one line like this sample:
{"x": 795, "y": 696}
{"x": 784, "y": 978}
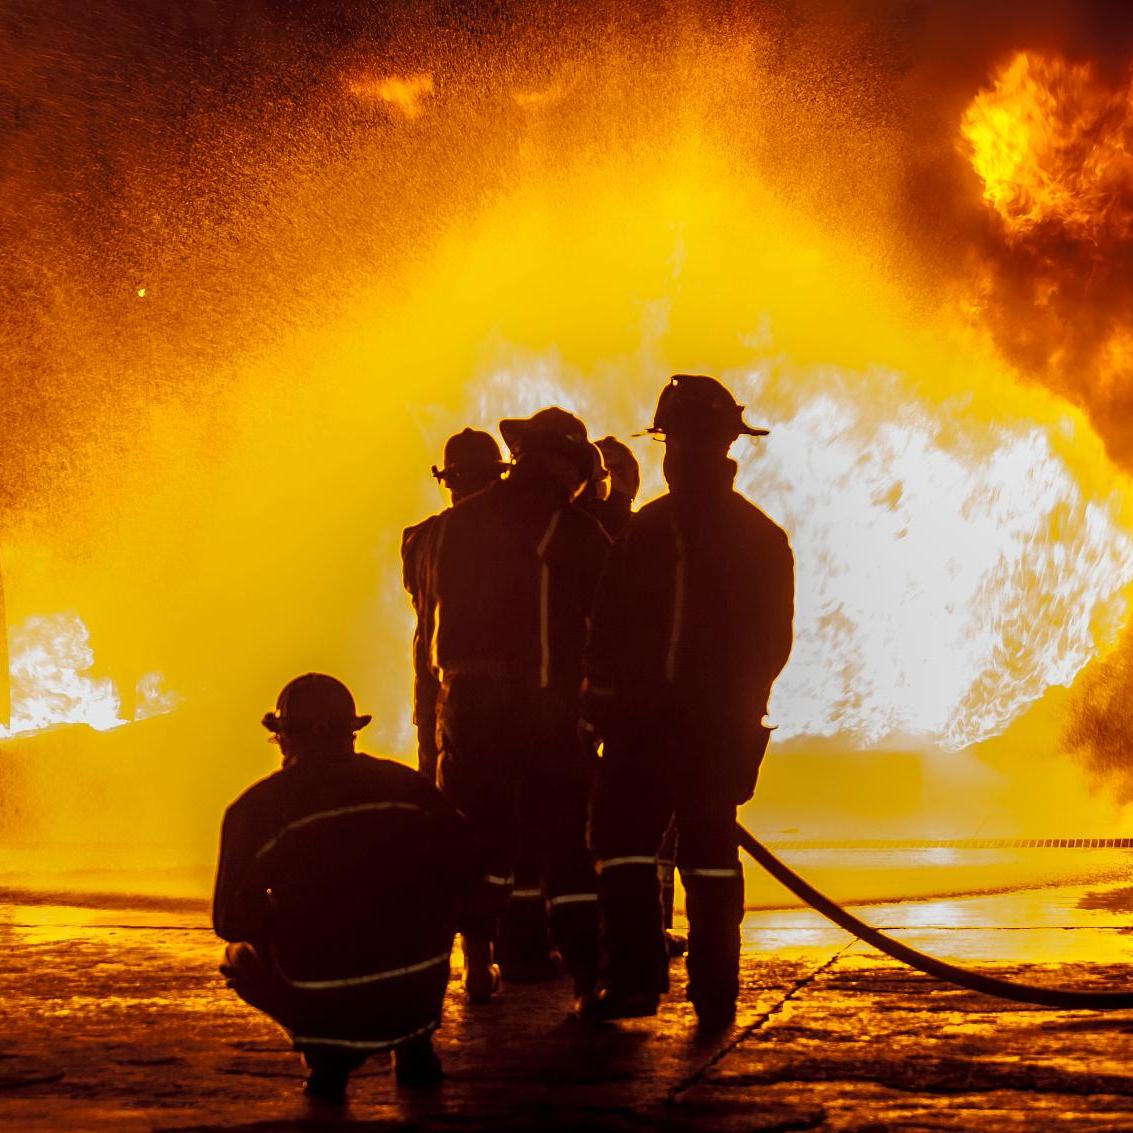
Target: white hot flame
{"x": 51, "y": 682}
{"x": 942, "y": 586}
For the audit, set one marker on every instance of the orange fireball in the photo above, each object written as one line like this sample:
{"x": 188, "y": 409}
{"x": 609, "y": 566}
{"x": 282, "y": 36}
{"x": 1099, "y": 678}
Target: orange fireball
{"x": 1054, "y": 146}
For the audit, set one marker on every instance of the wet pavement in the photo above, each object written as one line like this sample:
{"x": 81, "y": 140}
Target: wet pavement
{"x": 115, "y": 1018}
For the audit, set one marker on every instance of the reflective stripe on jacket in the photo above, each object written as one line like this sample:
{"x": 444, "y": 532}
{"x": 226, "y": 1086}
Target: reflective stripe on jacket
{"x": 513, "y": 573}
{"x": 695, "y": 608}
{"x": 346, "y": 873}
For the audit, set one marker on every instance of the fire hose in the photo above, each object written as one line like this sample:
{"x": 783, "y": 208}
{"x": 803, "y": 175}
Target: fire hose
{"x": 1055, "y": 998}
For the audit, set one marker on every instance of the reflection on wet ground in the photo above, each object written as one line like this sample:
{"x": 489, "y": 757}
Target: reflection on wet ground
{"x": 115, "y": 1018}
{"x": 874, "y": 875}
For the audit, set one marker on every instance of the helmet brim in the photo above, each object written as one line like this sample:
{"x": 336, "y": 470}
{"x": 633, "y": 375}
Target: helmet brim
{"x": 745, "y": 431}
{"x": 499, "y": 467}
{"x": 277, "y": 724}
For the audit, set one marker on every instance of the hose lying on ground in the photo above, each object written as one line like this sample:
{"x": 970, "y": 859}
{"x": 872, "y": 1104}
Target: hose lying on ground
{"x": 975, "y": 981}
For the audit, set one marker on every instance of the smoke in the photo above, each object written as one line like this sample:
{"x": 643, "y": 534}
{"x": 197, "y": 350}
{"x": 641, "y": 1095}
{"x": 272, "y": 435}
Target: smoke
{"x": 1100, "y": 731}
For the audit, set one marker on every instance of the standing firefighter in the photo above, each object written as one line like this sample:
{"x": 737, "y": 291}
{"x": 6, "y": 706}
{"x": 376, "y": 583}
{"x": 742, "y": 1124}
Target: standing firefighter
{"x": 609, "y": 497}
{"x": 624, "y": 481}
{"x": 472, "y": 461}
{"x": 337, "y": 888}
{"x": 513, "y": 573}
{"x": 691, "y": 628}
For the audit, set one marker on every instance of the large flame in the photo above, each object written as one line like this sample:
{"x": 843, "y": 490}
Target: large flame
{"x": 1054, "y": 146}
{"x": 940, "y": 590}
{"x": 1052, "y": 143}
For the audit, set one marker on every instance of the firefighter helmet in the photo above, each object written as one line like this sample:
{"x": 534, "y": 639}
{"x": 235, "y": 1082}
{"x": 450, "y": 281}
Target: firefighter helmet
{"x": 551, "y": 430}
{"x": 315, "y": 702}
{"x": 625, "y": 475}
{"x": 470, "y": 451}
{"x": 695, "y": 404}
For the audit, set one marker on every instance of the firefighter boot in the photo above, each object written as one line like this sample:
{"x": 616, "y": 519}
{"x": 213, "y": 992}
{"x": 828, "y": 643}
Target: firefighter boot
{"x": 328, "y": 1072}
{"x": 481, "y": 976}
{"x": 523, "y": 949}
{"x": 416, "y": 1064}
{"x": 574, "y": 926}
{"x": 715, "y": 909}
{"x": 638, "y": 963}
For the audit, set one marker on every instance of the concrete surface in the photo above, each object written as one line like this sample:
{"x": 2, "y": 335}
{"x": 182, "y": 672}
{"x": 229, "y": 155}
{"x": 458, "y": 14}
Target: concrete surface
{"x": 114, "y": 1018}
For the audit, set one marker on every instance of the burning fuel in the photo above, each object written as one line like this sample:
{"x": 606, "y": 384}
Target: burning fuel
{"x": 1052, "y": 144}
{"x": 52, "y": 681}
{"x": 981, "y": 575}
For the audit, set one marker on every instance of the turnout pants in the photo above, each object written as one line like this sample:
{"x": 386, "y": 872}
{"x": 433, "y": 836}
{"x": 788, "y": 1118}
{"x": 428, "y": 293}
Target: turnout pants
{"x": 523, "y": 944}
{"x": 336, "y": 1024}
{"x": 511, "y": 760}
{"x": 642, "y": 787}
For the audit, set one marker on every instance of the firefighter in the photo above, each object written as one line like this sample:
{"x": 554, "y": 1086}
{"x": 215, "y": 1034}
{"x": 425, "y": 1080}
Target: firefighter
{"x": 596, "y": 497}
{"x": 609, "y": 497}
{"x": 514, "y": 571}
{"x": 337, "y": 889}
{"x": 691, "y": 627}
{"x": 624, "y": 483}
{"x": 472, "y": 461}
{"x": 596, "y": 491}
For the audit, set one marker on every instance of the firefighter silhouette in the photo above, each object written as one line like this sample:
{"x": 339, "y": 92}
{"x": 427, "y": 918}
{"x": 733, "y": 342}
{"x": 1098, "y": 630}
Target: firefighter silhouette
{"x": 609, "y": 496}
{"x": 513, "y": 575}
{"x": 613, "y": 487}
{"x": 595, "y": 492}
{"x": 472, "y": 461}
{"x": 691, "y": 627}
{"x": 337, "y": 888}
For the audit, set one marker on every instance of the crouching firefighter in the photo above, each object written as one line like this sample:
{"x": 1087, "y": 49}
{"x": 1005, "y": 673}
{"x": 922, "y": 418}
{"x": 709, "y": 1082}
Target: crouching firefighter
{"x": 691, "y": 627}
{"x": 514, "y": 573}
{"x": 337, "y": 887}
{"x": 472, "y": 461}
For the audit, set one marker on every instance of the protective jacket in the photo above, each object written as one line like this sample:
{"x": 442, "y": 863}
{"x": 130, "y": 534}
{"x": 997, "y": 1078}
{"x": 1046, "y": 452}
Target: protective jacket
{"x": 612, "y": 513}
{"x": 693, "y": 620}
{"x": 345, "y": 874}
{"x": 513, "y": 571}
